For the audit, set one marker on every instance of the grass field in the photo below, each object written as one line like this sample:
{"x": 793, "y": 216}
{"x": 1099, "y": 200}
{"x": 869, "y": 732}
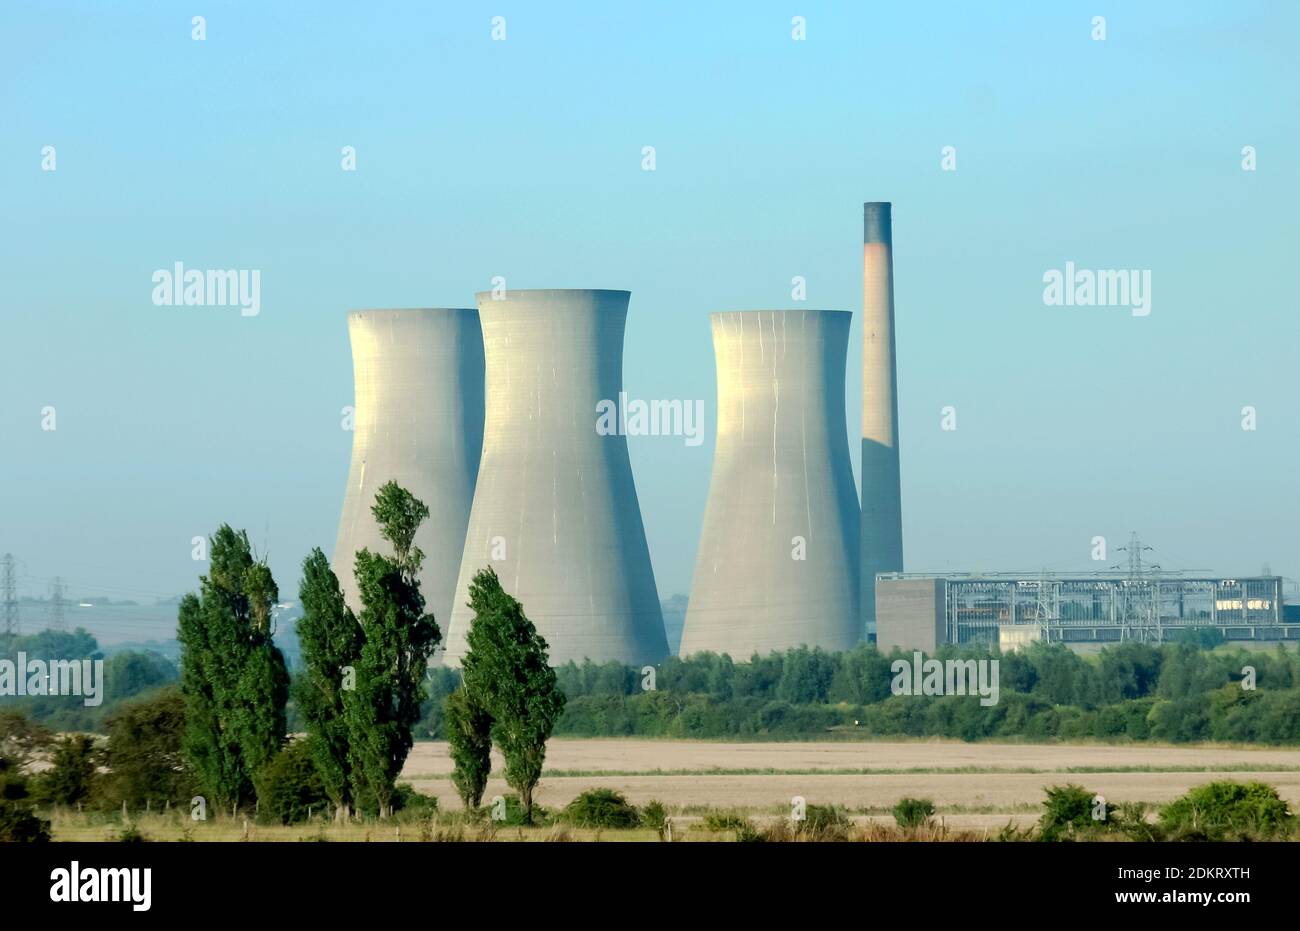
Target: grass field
{"x": 977, "y": 788}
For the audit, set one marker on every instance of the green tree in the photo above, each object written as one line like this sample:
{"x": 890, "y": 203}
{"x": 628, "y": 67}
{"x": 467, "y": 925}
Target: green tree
{"x": 507, "y": 671}
{"x": 72, "y": 774}
{"x": 145, "y": 756}
{"x": 398, "y": 638}
{"x": 233, "y": 676}
{"x": 331, "y": 643}
{"x": 18, "y": 823}
{"x": 469, "y": 736}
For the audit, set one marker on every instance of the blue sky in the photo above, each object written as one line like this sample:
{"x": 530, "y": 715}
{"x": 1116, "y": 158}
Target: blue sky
{"x": 522, "y": 158}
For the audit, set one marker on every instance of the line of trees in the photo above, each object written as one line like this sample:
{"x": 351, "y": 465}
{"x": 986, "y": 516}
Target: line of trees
{"x": 362, "y": 687}
{"x": 1173, "y": 692}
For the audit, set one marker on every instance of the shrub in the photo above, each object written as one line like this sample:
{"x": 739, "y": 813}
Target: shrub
{"x": 18, "y": 823}
{"x": 654, "y": 815}
{"x": 288, "y": 786}
{"x": 1228, "y": 811}
{"x": 820, "y": 823}
{"x": 412, "y": 803}
{"x": 602, "y": 808}
{"x": 721, "y": 822}
{"x": 144, "y": 753}
{"x": 1068, "y": 811}
{"x": 514, "y": 813}
{"x": 913, "y": 812}
{"x": 72, "y": 775}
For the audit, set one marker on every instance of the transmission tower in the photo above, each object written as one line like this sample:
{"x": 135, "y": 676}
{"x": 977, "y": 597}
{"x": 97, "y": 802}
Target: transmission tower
{"x": 56, "y": 605}
{"x": 9, "y": 593}
{"x": 1141, "y": 609}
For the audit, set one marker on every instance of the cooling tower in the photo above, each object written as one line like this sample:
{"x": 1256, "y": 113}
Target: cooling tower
{"x": 777, "y": 565}
{"x": 418, "y": 421}
{"x": 882, "y": 496}
{"x": 555, "y": 509}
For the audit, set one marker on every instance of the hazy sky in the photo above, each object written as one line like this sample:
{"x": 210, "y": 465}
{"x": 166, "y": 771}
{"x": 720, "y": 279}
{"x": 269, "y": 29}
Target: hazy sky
{"x": 522, "y": 158}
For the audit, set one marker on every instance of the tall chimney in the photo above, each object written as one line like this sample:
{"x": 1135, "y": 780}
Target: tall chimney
{"x": 882, "y": 509}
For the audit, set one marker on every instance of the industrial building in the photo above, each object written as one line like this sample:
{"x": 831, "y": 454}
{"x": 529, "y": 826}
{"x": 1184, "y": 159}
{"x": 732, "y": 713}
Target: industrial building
{"x": 882, "y": 496}
{"x": 777, "y": 565}
{"x": 555, "y": 508}
{"x": 919, "y": 612}
{"x": 417, "y": 420}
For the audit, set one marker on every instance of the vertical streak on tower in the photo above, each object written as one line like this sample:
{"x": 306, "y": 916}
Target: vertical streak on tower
{"x": 882, "y": 508}
{"x": 419, "y": 422}
{"x": 777, "y": 565}
{"x": 555, "y": 507}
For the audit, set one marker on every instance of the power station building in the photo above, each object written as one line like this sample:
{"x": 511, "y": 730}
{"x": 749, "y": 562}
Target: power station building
{"x": 777, "y": 565}
{"x": 417, "y": 420}
{"x": 555, "y": 508}
{"x": 882, "y": 496}
{"x": 920, "y": 612}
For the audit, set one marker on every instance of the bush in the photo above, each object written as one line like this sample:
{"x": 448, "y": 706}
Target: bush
{"x": 1228, "y": 811}
{"x": 144, "y": 753}
{"x": 412, "y": 803}
{"x": 721, "y": 822}
{"x": 514, "y": 812}
{"x": 73, "y": 772}
{"x": 654, "y": 815}
{"x": 820, "y": 823}
{"x": 1069, "y": 811}
{"x": 602, "y": 808}
{"x": 18, "y": 823}
{"x": 288, "y": 786}
{"x": 913, "y": 812}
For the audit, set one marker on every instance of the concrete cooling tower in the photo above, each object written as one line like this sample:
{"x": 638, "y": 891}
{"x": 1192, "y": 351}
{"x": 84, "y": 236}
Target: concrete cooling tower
{"x": 882, "y": 496}
{"x": 419, "y": 422}
{"x": 555, "y": 509}
{"x": 777, "y": 565}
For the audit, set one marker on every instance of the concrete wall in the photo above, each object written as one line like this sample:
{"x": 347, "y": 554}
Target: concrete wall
{"x": 910, "y": 614}
{"x": 555, "y": 507}
{"x": 419, "y": 422}
{"x": 781, "y": 481}
{"x": 882, "y": 507}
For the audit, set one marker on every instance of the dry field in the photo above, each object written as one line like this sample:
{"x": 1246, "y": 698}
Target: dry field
{"x": 976, "y": 787}
{"x": 973, "y": 785}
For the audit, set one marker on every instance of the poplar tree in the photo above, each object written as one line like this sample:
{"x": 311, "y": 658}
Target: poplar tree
{"x": 233, "y": 676}
{"x": 331, "y": 645}
{"x": 398, "y": 638}
{"x": 469, "y": 738}
{"x": 507, "y": 673}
